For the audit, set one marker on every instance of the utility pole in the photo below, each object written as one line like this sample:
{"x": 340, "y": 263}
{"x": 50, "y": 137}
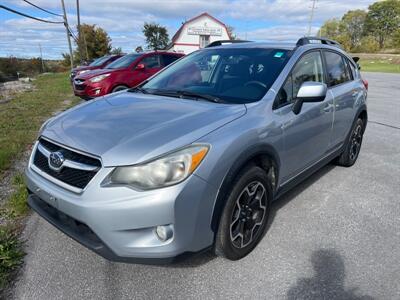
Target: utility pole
{"x": 79, "y": 30}
{"x": 41, "y": 57}
{"x": 80, "y": 35}
{"x": 68, "y": 34}
{"x": 311, "y": 17}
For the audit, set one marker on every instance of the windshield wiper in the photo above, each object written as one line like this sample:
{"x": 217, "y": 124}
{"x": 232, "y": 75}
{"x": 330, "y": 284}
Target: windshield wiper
{"x": 185, "y": 93}
{"x": 197, "y": 95}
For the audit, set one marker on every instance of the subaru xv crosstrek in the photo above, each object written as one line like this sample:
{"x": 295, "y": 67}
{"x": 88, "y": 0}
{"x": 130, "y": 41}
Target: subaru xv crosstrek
{"x": 192, "y": 159}
{"x": 127, "y": 71}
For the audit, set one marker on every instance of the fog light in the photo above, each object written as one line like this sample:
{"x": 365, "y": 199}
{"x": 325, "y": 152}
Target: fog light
{"x": 96, "y": 92}
{"x": 164, "y": 233}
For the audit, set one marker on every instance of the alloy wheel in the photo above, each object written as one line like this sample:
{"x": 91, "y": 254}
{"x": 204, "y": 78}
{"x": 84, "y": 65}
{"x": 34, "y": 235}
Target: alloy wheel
{"x": 248, "y": 214}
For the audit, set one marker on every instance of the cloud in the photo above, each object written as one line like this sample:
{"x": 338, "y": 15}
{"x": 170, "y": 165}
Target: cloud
{"x": 288, "y": 33}
{"x": 123, "y": 20}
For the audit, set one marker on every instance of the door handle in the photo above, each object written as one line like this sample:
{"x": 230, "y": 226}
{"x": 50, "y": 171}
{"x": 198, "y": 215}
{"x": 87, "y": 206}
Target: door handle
{"x": 354, "y": 93}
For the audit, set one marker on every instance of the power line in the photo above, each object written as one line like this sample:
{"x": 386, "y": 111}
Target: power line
{"x": 28, "y": 16}
{"x": 72, "y": 34}
{"x": 38, "y": 7}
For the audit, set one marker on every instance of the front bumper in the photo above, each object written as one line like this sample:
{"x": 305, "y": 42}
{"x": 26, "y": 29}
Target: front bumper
{"x": 89, "y": 91}
{"x": 119, "y": 223}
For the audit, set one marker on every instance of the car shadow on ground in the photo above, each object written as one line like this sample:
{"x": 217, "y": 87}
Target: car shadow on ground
{"x": 328, "y": 280}
{"x": 207, "y": 256}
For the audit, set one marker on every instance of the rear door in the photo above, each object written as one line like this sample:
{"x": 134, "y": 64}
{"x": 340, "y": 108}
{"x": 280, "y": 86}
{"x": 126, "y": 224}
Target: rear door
{"x": 306, "y": 135}
{"x": 345, "y": 91}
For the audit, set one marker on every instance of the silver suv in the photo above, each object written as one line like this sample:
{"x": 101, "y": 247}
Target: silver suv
{"x": 192, "y": 159}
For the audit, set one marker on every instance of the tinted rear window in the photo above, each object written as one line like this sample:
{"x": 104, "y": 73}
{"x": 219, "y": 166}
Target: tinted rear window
{"x": 169, "y": 59}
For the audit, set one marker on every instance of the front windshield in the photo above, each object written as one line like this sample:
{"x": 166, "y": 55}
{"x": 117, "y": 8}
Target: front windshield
{"x": 99, "y": 61}
{"x": 233, "y": 75}
{"x": 123, "y": 62}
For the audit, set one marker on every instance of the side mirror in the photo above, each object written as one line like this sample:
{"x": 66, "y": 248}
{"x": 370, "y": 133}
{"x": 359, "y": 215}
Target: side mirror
{"x": 310, "y": 91}
{"x": 140, "y": 67}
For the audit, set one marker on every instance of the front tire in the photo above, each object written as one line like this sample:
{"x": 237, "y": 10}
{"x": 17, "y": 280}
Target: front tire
{"x": 353, "y": 145}
{"x": 245, "y": 215}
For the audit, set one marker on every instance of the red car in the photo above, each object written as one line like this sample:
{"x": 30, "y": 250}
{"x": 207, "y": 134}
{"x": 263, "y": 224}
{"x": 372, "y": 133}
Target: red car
{"x": 127, "y": 71}
{"x": 98, "y": 63}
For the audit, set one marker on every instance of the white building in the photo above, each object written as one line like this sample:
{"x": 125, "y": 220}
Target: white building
{"x": 197, "y": 33}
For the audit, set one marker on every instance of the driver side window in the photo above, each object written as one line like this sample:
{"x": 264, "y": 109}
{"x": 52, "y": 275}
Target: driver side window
{"x": 308, "y": 68}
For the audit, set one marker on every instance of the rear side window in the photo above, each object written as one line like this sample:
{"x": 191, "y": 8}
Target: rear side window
{"x": 308, "y": 68}
{"x": 337, "y": 70}
{"x": 169, "y": 59}
{"x": 353, "y": 71}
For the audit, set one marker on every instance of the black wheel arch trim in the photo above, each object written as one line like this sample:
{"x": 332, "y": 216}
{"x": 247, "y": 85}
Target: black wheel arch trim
{"x": 361, "y": 110}
{"x": 245, "y": 157}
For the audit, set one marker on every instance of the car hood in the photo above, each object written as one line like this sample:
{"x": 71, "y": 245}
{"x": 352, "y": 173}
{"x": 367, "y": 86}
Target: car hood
{"x": 95, "y": 72}
{"x": 127, "y": 128}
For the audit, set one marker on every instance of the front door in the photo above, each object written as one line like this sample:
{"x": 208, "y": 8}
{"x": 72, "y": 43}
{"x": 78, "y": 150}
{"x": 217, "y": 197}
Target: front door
{"x": 152, "y": 64}
{"x": 306, "y": 135}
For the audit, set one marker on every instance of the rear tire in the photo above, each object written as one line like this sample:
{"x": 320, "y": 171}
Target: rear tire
{"x": 353, "y": 145}
{"x": 245, "y": 215}
{"x": 119, "y": 88}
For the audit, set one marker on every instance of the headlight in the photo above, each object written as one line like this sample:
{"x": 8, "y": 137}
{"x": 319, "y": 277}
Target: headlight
{"x": 99, "y": 78}
{"x": 81, "y": 72}
{"x": 161, "y": 172}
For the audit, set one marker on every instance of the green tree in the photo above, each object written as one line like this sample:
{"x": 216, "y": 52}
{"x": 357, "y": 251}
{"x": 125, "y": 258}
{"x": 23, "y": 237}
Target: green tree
{"x": 335, "y": 29}
{"x": 117, "y": 50}
{"x": 353, "y": 24}
{"x": 139, "y": 49}
{"x": 367, "y": 44}
{"x": 396, "y": 39}
{"x": 231, "y": 32}
{"x": 66, "y": 60}
{"x": 330, "y": 29}
{"x": 156, "y": 36}
{"x": 383, "y": 19}
{"x": 95, "y": 40}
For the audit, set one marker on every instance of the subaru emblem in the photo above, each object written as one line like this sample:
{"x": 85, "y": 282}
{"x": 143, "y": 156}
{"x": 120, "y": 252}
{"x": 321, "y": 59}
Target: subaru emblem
{"x": 56, "y": 160}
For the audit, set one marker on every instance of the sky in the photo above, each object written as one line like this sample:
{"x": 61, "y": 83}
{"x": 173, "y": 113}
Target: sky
{"x": 258, "y": 20}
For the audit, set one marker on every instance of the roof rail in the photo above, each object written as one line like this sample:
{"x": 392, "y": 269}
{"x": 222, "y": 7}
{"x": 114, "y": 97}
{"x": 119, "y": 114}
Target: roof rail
{"x": 308, "y": 40}
{"x": 225, "y": 42}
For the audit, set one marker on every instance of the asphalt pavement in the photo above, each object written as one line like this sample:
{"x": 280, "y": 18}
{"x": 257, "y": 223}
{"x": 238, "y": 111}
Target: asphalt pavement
{"x": 335, "y": 236}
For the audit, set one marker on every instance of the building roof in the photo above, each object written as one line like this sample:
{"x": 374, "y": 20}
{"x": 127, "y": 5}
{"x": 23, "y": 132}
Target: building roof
{"x": 178, "y": 33}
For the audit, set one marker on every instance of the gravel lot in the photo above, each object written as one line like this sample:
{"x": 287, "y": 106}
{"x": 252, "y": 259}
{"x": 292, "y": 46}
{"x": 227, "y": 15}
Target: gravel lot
{"x": 336, "y": 236}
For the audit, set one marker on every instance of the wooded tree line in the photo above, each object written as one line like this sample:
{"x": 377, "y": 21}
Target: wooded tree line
{"x": 377, "y": 29}
{"x": 95, "y": 42}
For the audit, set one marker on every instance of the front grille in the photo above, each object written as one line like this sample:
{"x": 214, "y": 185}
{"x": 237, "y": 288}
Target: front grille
{"x": 75, "y": 177}
{"x": 80, "y": 87}
{"x": 71, "y": 155}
